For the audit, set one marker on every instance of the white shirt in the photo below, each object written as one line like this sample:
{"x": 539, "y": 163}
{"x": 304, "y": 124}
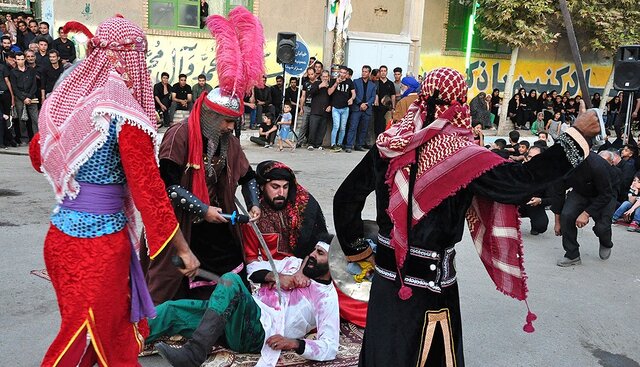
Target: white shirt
{"x": 302, "y": 310}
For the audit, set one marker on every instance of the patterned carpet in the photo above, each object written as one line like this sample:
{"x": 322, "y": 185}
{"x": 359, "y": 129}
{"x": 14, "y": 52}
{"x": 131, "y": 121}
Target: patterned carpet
{"x": 350, "y": 341}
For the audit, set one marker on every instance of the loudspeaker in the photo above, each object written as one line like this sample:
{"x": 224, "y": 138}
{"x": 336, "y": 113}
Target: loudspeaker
{"x": 286, "y": 51}
{"x": 627, "y": 68}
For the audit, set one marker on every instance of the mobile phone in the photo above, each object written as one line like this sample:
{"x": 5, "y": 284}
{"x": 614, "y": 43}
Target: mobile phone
{"x": 601, "y": 138}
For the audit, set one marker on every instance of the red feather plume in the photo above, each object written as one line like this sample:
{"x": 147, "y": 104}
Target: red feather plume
{"x": 73, "y": 26}
{"x": 251, "y": 39}
{"x": 228, "y": 56}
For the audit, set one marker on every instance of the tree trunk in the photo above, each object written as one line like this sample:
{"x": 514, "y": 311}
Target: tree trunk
{"x": 607, "y": 90}
{"x": 506, "y": 124}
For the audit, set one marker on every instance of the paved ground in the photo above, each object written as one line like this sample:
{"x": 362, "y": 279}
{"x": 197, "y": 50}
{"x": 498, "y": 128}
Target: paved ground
{"x": 587, "y": 315}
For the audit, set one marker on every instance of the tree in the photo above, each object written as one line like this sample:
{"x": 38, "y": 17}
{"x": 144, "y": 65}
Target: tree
{"x": 518, "y": 24}
{"x": 608, "y": 24}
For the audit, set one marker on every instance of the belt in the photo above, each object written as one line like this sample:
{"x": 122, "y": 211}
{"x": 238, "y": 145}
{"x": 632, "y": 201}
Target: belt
{"x": 424, "y": 268}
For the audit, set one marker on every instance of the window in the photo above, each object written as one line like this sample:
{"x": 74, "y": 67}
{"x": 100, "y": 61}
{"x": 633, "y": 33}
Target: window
{"x": 457, "y": 25}
{"x": 185, "y": 15}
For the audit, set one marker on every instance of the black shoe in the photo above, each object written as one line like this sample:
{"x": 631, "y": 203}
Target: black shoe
{"x": 13, "y": 144}
{"x": 604, "y": 252}
{"x": 348, "y": 150}
{"x": 366, "y": 146}
{"x": 195, "y": 352}
{"x": 534, "y": 232}
{"x": 359, "y": 149}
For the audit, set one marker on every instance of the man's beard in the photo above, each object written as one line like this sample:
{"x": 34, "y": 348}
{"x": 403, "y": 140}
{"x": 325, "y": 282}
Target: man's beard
{"x": 282, "y": 202}
{"x": 314, "y": 270}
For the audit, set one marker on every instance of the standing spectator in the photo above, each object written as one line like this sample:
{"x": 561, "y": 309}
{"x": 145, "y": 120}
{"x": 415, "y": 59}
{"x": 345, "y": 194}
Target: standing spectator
{"x": 361, "y": 110}
{"x": 7, "y": 47}
{"x": 495, "y": 105}
{"x": 31, "y": 58}
{"x": 181, "y": 95}
{"x": 613, "y": 108}
{"x": 201, "y": 86}
{"x": 318, "y": 67}
{"x": 204, "y": 13}
{"x": 24, "y": 36}
{"x": 305, "y": 111}
{"x": 267, "y": 131}
{"x": 66, "y": 48}
{"x": 285, "y": 128}
{"x": 262, "y": 98}
{"x": 12, "y": 30}
{"x": 553, "y": 125}
{"x": 42, "y": 56}
{"x": 162, "y": 97}
{"x": 25, "y": 89}
{"x": 277, "y": 94}
{"x": 480, "y": 111}
{"x": 622, "y": 115}
{"x": 397, "y": 82}
{"x": 43, "y": 29}
{"x": 342, "y": 94}
{"x": 6, "y": 100}
{"x": 50, "y": 74}
{"x": 320, "y": 111}
{"x": 34, "y": 27}
{"x": 291, "y": 97}
{"x": 385, "y": 88}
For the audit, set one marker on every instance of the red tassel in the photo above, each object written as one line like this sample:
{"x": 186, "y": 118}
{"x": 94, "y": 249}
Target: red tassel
{"x": 531, "y": 317}
{"x": 528, "y": 327}
{"x": 405, "y": 293}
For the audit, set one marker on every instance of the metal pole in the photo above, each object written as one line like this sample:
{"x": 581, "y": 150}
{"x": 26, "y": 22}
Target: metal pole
{"x": 575, "y": 51}
{"x": 627, "y": 120}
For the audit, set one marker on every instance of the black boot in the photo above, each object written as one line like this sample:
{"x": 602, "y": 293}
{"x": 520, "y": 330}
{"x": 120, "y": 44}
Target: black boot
{"x": 195, "y": 352}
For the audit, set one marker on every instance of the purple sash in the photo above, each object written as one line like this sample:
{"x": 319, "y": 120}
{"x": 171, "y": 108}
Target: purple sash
{"x": 109, "y": 199}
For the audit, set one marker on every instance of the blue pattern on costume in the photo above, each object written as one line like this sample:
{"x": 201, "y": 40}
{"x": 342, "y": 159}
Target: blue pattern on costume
{"x": 104, "y": 167}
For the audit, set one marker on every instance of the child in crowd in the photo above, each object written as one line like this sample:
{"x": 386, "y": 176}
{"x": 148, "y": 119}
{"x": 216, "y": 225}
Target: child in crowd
{"x": 553, "y": 125}
{"x": 629, "y": 209}
{"x": 538, "y": 124}
{"x": 564, "y": 126}
{"x": 267, "y": 130}
{"x": 285, "y": 128}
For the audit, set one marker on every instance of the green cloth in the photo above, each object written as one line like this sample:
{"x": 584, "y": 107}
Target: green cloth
{"x": 197, "y": 90}
{"x": 231, "y": 299}
{"x": 535, "y": 128}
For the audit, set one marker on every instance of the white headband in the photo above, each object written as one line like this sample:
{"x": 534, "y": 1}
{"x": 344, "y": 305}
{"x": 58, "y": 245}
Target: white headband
{"x": 324, "y": 245}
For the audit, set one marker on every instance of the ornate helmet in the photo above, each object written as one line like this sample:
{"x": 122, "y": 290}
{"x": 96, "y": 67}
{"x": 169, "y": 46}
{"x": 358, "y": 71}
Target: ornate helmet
{"x": 239, "y": 58}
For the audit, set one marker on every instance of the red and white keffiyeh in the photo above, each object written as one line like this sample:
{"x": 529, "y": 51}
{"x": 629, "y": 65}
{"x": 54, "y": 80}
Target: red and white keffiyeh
{"x": 113, "y": 80}
{"x": 447, "y": 161}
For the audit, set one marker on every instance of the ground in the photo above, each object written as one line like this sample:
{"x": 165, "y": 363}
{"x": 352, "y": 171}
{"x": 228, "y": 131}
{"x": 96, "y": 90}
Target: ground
{"x": 587, "y": 315}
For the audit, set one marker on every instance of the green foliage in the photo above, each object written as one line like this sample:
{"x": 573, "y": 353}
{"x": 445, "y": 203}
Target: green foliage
{"x": 518, "y": 23}
{"x": 607, "y": 24}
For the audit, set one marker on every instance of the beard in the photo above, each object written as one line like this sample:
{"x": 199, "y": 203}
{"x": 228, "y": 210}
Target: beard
{"x": 314, "y": 270}
{"x": 277, "y": 203}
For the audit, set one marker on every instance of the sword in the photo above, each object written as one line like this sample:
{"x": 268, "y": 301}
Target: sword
{"x": 178, "y": 263}
{"x": 265, "y": 250}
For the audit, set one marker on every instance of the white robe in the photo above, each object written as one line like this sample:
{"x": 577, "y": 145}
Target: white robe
{"x": 302, "y": 310}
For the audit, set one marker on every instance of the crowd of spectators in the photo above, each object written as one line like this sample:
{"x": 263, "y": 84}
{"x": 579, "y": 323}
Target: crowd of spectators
{"x": 30, "y": 63}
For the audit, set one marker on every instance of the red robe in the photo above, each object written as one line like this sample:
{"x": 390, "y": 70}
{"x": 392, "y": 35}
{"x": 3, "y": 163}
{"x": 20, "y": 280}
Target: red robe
{"x": 91, "y": 275}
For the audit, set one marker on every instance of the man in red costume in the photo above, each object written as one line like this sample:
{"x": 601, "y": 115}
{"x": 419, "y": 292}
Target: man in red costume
{"x": 202, "y": 163}
{"x": 291, "y": 224}
{"x": 96, "y": 147}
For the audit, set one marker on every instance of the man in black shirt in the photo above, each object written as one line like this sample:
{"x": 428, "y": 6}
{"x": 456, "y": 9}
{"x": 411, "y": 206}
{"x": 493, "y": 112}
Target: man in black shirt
{"x": 592, "y": 196}
{"x": 320, "y": 111}
{"x": 385, "y": 88}
{"x": 262, "y": 98}
{"x": 25, "y": 89}
{"x": 66, "y": 48}
{"x": 162, "y": 98}
{"x": 342, "y": 94}
{"x": 181, "y": 95}
{"x": 43, "y": 28}
{"x": 50, "y": 73}
{"x": 42, "y": 56}
{"x": 24, "y": 36}
{"x": 291, "y": 97}
{"x": 6, "y": 95}
{"x": 619, "y": 124}
{"x": 305, "y": 111}
{"x": 277, "y": 92}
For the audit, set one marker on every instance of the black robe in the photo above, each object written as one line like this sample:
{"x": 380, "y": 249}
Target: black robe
{"x": 395, "y": 332}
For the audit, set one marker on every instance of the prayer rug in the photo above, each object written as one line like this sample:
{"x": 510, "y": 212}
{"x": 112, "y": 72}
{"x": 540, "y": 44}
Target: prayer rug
{"x": 350, "y": 342}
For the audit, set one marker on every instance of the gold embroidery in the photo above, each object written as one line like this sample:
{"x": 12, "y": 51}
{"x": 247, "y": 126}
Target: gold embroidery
{"x": 431, "y": 320}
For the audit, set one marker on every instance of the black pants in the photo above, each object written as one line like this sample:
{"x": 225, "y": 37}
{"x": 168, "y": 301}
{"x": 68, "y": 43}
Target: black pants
{"x": 538, "y": 216}
{"x": 317, "y": 130}
{"x": 262, "y": 140}
{"x": 379, "y": 124}
{"x": 6, "y": 136}
{"x": 573, "y": 207}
